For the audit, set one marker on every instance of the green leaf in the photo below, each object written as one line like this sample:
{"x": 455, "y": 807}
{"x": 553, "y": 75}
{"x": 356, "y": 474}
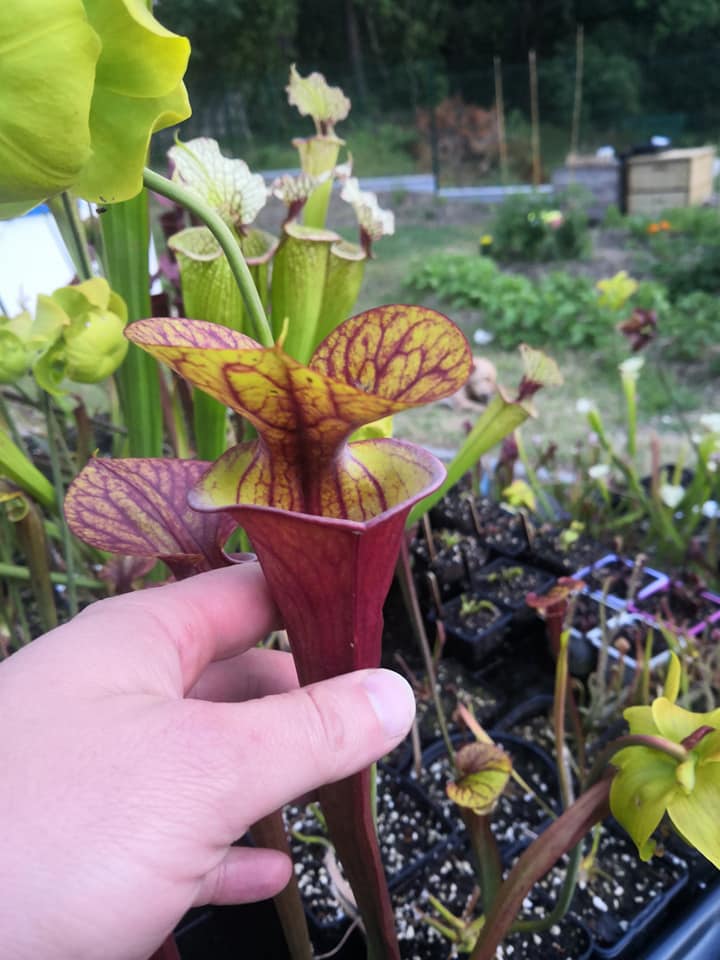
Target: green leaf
{"x": 298, "y": 283}
{"x": 672, "y": 680}
{"x": 695, "y": 815}
{"x": 16, "y": 467}
{"x": 641, "y": 790}
{"x": 138, "y": 90}
{"x": 126, "y": 239}
{"x": 48, "y": 54}
{"x": 484, "y": 772}
{"x": 675, "y": 723}
{"x": 343, "y": 280}
{"x": 15, "y": 357}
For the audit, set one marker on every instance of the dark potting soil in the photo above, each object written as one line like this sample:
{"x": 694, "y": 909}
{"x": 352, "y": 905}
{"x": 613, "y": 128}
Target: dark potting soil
{"x": 498, "y": 528}
{"x": 549, "y": 548}
{"x": 518, "y": 816}
{"x": 455, "y": 685}
{"x": 451, "y": 562}
{"x": 681, "y": 604}
{"x": 494, "y": 526}
{"x": 619, "y": 578}
{"x": 507, "y": 583}
{"x": 635, "y": 633}
{"x": 451, "y": 879}
{"x": 408, "y": 829}
{"x": 471, "y": 614}
{"x": 618, "y": 894}
{"x": 587, "y": 613}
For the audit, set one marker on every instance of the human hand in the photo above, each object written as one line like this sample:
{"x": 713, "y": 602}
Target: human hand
{"x": 128, "y": 771}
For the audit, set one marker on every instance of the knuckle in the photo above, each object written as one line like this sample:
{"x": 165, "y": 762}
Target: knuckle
{"x": 327, "y": 727}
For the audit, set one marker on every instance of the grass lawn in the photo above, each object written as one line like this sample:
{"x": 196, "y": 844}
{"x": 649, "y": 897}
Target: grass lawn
{"x": 671, "y": 398}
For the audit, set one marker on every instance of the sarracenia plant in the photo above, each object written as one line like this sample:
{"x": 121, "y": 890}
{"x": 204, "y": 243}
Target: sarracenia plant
{"x": 325, "y": 516}
{"x": 668, "y": 764}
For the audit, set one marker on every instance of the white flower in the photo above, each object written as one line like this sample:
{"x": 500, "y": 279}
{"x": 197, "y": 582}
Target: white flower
{"x": 584, "y": 405}
{"x": 631, "y": 367}
{"x": 598, "y": 471}
{"x": 710, "y": 509}
{"x": 671, "y": 494}
{"x": 374, "y": 221}
{"x": 292, "y": 189}
{"x": 481, "y": 337}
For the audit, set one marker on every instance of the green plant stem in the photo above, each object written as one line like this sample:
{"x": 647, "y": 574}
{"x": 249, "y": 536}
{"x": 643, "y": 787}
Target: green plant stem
{"x": 14, "y": 432}
{"x": 64, "y": 210}
{"x": 13, "y": 571}
{"x": 630, "y": 390}
{"x": 225, "y": 237}
{"x": 532, "y": 478}
{"x": 485, "y": 848}
{"x": 562, "y": 903}
{"x": 52, "y": 429}
{"x": 17, "y": 602}
{"x": 33, "y": 543}
{"x": 657, "y": 516}
{"x": 126, "y": 240}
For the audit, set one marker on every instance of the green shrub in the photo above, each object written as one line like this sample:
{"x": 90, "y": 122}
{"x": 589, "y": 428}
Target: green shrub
{"x": 559, "y": 310}
{"x": 540, "y": 227}
{"x": 692, "y": 326}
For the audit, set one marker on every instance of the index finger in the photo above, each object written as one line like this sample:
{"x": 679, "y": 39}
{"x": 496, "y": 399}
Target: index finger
{"x": 194, "y": 622}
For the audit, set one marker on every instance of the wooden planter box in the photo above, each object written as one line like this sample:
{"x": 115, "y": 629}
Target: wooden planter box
{"x": 673, "y": 178}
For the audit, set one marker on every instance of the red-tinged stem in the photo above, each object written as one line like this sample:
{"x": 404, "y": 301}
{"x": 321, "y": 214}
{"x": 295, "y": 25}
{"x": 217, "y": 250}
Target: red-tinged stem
{"x": 348, "y": 815}
{"x": 540, "y": 856}
{"x": 168, "y": 951}
{"x": 329, "y": 580}
{"x": 675, "y": 750}
{"x": 270, "y": 832}
{"x": 561, "y": 689}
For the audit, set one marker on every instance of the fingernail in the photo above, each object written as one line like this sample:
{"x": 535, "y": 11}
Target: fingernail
{"x": 393, "y": 701}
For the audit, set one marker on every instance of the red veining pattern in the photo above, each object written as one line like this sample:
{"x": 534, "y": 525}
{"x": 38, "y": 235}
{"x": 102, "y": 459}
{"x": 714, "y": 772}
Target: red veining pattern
{"x": 140, "y": 508}
{"x": 373, "y": 365}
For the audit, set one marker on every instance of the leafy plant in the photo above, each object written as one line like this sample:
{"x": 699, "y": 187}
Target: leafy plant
{"x": 557, "y": 309}
{"x": 529, "y": 226}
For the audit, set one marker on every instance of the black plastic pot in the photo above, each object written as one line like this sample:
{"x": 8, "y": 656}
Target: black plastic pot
{"x": 663, "y": 879}
{"x": 410, "y": 828}
{"x": 473, "y": 644}
{"x": 450, "y": 876}
{"x": 518, "y": 817}
{"x": 506, "y": 583}
{"x": 222, "y": 933}
{"x": 547, "y": 550}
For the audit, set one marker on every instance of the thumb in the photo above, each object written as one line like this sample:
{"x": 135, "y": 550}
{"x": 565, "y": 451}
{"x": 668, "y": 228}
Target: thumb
{"x": 280, "y": 747}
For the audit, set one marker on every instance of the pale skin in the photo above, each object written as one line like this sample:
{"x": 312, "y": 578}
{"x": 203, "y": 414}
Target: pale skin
{"x": 140, "y": 741}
